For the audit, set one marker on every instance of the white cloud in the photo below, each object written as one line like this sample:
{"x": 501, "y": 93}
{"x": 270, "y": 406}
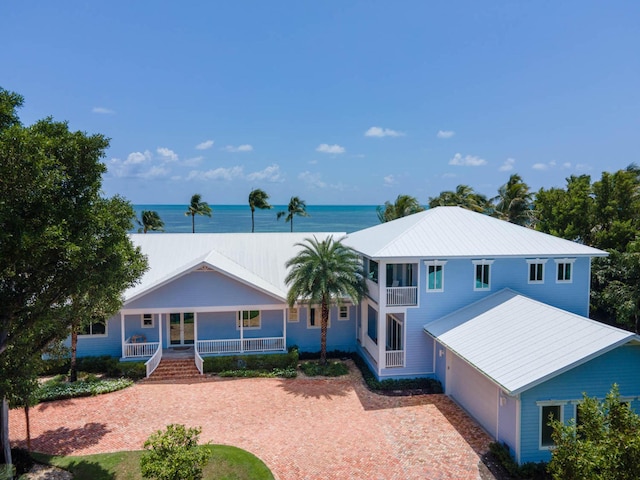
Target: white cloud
{"x": 270, "y": 174}
{"x": 389, "y": 180}
{"x": 167, "y": 154}
{"x": 382, "y": 132}
{"x": 153, "y": 172}
{"x": 103, "y": 111}
{"x": 312, "y": 179}
{"x": 216, "y": 174}
{"x": 566, "y": 165}
{"x": 467, "y": 161}
{"x": 507, "y": 165}
{"x": 449, "y": 175}
{"x": 540, "y": 166}
{"x": 207, "y": 144}
{"x": 326, "y": 148}
{"x": 137, "y": 157}
{"x": 192, "y": 162}
{"x": 239, "y": 148}
{"x": 445, "y": 133}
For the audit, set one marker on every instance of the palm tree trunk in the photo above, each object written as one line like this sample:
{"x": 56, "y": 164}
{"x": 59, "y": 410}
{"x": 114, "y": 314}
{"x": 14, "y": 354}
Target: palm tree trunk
{"x": 323, "y": 332}
{"x": 252, "y": 222}
{"x": 193, "y": 223}
{"x": 292, "y": 223}
{"x": 73, "y": 369}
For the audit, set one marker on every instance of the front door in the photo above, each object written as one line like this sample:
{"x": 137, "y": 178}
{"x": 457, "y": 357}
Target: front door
{"x": 181, "y": 328}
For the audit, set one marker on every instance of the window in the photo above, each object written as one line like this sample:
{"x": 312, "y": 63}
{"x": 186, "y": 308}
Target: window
{"x": 536, "y": 270}
{"x": 547, "y": 411}
{"x": 250, "y": 319}
{"x": 146, "y": 320}
{"x": 314, "y": 318}
{"x": 482, "y": 276}
{"x": 294, "y": 315}
{"x": 394, "y": 333}
{"x": 564, "y": 270}
{"x": 372, "y": 324}
{"x": 95, "y": 328}
{"x": 343, "y": 312}
{"x": 435, "y": 275}
{"x": 372, "y": 270}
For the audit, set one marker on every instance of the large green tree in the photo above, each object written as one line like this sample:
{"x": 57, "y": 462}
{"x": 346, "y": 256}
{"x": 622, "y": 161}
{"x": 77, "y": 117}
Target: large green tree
{"x": 150, "y": 221}
{"x": 463, "y": 196}
{"x": 324, "y": 273}
{"x": 54, "y": 233}
{"x": 197, "y": 207}
{"x": 403, "y": 206}
{"x": 514, "y": 201}
{"x": 258, "y": 199}
{"x": 296, "y": 207}
{"x": 604, "y": 445}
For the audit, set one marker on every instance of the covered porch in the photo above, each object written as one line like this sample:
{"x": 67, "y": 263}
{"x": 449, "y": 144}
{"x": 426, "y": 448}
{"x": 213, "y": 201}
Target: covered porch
{"x": 151, "y": 334}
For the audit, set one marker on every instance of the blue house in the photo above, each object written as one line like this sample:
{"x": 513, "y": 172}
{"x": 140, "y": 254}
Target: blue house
{"x": 496, "y": 312}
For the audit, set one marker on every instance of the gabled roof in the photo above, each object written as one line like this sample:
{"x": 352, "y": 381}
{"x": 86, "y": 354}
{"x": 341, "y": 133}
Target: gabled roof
{"x": 456, "y": 232}
{"x": 519, "y": 343}
{"x": 256, "y": 259}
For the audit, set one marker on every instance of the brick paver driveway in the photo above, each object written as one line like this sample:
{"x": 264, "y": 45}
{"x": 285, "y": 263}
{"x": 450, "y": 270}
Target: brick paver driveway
{"x": 302, "y": 428}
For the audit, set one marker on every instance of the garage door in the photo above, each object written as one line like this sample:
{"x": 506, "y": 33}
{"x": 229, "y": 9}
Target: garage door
{"x": 473, "y": 391}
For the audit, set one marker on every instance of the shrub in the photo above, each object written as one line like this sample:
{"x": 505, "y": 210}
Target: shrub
{"x": 22, "y": 461}
{"x": 427, "y": 385}
{"x": 330, "y": 354}
{"x": 174, "y": 454}
{"x": 105, "y": 365}
{"x": 266, "y": 362}
{"x": 132, "y": 370}
{"x": 58, "y": 390}
{"x": 529, "y": 470}
{"x": 331, "y": 369}
{"x": 276, "y": 372}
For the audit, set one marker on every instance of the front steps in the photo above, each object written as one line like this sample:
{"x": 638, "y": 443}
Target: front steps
{"x": 176, "y": 369}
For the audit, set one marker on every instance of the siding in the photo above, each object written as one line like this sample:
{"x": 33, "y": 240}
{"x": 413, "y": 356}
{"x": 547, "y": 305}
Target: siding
{"x": 223, "y": 325}
{"x": 340, "y": 335}
{"x": 202, "y": 289}
{"x": 89, "y": 345}
{"x": 594, "y": 377}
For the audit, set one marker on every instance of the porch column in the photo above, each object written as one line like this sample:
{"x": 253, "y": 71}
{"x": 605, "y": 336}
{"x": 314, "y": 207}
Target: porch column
{"x": 241, "y": 320}
{"x": 382, "y": 317}
{"x": 160, "y": 331}
{"x": 284, "y": 329}
{"x": 122, "y": 332}
{"x": 195, "y": 331}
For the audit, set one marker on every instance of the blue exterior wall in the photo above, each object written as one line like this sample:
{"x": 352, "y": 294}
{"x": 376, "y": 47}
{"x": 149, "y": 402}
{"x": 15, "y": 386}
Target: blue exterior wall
{"x": 223, "y": 325}
{"x": 95, "y": 345}
{"x": 341, "y": 334}
{"x": 202, "y": 289}
{"x": 595, "y": 378}
{"x": 508, "y": 421}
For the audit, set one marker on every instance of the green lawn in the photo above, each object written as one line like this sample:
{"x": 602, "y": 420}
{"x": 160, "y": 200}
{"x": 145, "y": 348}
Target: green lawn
{"x": 226, "y": 463}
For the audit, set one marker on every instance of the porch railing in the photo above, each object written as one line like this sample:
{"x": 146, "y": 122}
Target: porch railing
{"x": 402, "y": 295}
{"x": 394, "y": 358}
{"x": 247, "y": 345}
{"x": 199, "y": 362}
{"x": 154, "y": 361}
{"x": 140, "y": 349}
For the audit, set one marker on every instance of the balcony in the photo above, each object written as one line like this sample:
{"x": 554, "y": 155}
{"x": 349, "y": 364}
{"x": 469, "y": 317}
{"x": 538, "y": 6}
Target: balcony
{"x": 402, "y": 296}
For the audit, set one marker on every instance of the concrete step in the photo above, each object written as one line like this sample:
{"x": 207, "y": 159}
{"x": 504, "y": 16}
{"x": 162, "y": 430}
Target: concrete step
{"x": 172, "y": 369}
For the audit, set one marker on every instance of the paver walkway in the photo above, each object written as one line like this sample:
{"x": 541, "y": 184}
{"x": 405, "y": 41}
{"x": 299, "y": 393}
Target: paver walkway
{"x": 302, "y": 429}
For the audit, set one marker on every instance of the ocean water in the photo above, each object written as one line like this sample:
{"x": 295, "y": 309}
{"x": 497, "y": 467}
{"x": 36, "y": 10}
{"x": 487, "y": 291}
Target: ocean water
{"x": 237, "y": 218}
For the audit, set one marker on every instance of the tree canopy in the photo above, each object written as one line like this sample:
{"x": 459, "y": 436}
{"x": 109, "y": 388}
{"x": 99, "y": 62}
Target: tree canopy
{"x": 463, "y": 196}
{"x": 296, "y": 207}
{"x": 403, "y": 206}
{"x": 56, "y": 231}
{"x": 324, "y": 273}
{"x": 197, "y": 207}
{"x": 258, "y": 199}
{"x": 150, "y": 220}
{"x": 514, "y": 201}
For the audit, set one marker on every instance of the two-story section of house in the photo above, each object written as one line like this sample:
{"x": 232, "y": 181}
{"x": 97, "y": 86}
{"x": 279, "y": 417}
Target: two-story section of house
{"x": 495, "y": 311}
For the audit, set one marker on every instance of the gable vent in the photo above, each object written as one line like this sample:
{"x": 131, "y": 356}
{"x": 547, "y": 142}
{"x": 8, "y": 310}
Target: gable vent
{"x": 204, "y": 268}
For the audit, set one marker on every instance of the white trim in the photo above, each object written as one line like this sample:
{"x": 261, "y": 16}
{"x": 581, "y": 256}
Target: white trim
{"x": 240, "y": 320}
{"x": 535, "y": 261}
{"x": 434, "y": 263}
{"x": 348, "y": 310}
{"x": 205, "y": 309}
{"x": 565, "y": 261}
{"x": 142, "y": 319}
{"x": 486, "y": 263}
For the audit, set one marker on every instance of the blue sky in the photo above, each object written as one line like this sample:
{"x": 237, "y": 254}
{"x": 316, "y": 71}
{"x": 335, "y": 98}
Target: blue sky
{"x": 338, "y": 102}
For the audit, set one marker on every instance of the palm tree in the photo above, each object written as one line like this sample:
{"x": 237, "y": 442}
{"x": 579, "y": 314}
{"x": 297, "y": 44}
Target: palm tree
{"x": 197, "y": 207}
{"x": 514, "y": 201}
{"x": 150, "y": 220}
{"x": 464, "y": 196}
{"x": 258, "y": 199}
{"x": 296, "y": 207}
{"x": 403, "y": 206}
{"x": 325, "y": 273}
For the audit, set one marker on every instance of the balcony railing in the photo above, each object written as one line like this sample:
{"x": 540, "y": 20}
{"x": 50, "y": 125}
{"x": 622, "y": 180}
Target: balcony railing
{"x": 247, "y": 345}
{"x": 402, "y": 296}
{"x": 394, "y": 358}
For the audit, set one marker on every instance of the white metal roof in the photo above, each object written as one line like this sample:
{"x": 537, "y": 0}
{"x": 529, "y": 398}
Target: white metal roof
{"x": 257, "y": 259}
{"x": 457, "y": 232}
{"x": 518, "y": 342}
